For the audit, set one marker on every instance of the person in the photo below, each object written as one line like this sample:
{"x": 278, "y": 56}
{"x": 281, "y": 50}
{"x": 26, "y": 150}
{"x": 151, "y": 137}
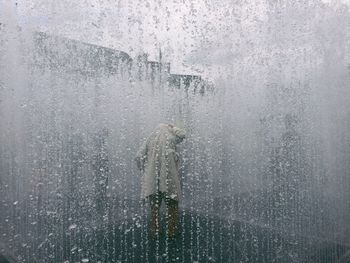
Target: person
{"x": 158, "y": 160}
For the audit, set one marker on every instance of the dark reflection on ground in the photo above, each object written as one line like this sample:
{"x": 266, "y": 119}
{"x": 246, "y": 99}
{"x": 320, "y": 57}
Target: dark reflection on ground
{"x": 209, "y": 239}
{"x": 3, "y": 259}
{"x": 202, "y": 238}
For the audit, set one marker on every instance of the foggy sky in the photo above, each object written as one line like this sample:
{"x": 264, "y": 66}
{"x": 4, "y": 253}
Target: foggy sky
{"x": 193, "y": 35}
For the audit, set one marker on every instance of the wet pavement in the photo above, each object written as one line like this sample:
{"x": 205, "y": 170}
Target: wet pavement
{"x": 202, "y": 238}
{"x": 211, "y": 239}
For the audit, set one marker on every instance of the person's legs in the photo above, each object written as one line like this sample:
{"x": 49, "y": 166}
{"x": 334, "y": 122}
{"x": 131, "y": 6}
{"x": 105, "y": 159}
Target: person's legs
{"x": 173, "y": 216}
{"x": 155, "y": 202}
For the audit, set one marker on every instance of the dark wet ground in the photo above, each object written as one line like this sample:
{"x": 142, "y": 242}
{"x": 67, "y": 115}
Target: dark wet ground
{"x": 202, "y": 238}
{"x": 210, "y": 239}
{"x": 3, "y": 259}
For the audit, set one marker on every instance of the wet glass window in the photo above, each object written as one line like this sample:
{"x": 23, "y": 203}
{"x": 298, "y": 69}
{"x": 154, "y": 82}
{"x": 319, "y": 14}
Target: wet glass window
{"x": 175, "y": 131}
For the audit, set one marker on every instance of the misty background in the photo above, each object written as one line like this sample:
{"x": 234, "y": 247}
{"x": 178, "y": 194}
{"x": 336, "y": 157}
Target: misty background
{"x": 261, "y": 88}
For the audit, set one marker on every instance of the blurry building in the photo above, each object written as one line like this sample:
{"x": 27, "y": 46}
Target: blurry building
{"x": 72, "y": 56}
{"x": 195, "y": 83}
{"x": 76, "y": 57}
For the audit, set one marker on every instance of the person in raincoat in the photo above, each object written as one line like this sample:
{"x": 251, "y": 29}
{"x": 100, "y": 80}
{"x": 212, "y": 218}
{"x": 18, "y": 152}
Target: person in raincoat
{"x": 158, "y": 160}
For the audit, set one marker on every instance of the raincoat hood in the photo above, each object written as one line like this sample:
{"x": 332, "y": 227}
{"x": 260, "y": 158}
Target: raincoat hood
{"x": 178, "y": 132}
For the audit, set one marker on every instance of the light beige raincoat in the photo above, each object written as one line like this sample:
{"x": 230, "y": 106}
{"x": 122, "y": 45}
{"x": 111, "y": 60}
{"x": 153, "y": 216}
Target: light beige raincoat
{"x": 159, "y": 161}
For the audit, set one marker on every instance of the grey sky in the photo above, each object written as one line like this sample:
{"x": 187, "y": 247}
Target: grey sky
{"x": 189, "y": 33}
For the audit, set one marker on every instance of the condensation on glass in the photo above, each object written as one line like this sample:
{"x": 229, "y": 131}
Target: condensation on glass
{"x": 260, "y": 87}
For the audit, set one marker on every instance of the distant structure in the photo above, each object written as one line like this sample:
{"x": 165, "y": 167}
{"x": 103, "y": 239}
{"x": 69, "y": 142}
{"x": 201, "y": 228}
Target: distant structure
{"x": 76, "y": 57}
{"x": 199, "y": 85}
